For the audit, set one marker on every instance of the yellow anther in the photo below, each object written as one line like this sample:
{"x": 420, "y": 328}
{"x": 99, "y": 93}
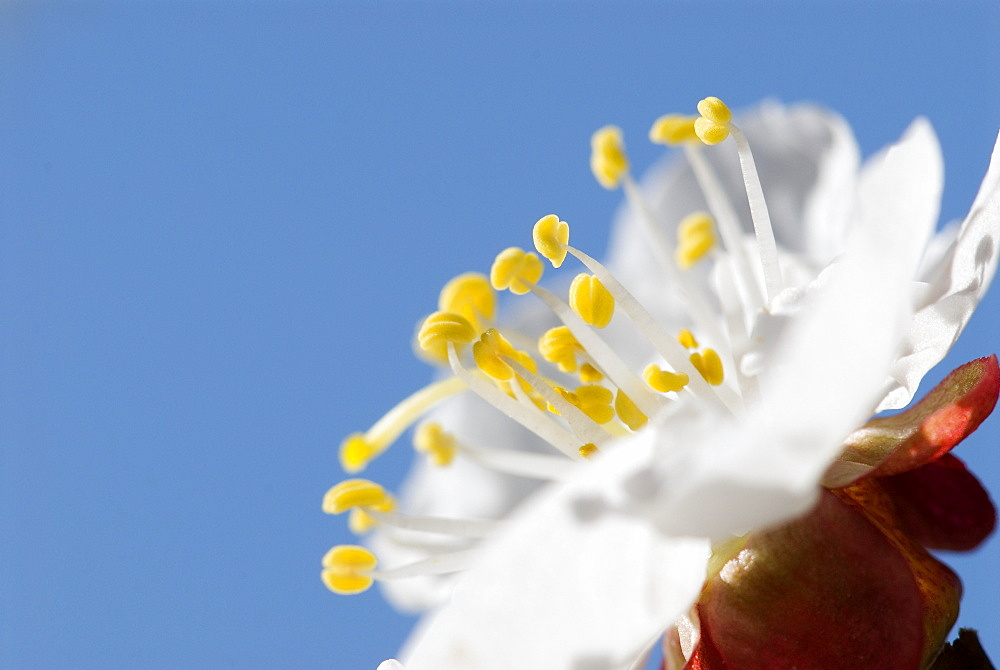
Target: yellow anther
{"x": 663, "y": 380}
{"x": 352, "y": 493}
{"x": 488, "y": 352}
{"x": 588, "y": 450}
{"x": 589, "y": 374}
{"x": 710, "y": 133}
{"x": 713, "y": 125}
{"x": 715, "y": 111}
{"x": 695, "y": 238}
{"x": 673, "y": 129}
{"x": 432, "y": 440}
{"x": 607, "y": 156}
{"x": 559, "y": 347}
{"x": 346, "y": 569}
{"x": 709, "y": 365}
{"x": 591, "y": 301}
{"x": 469, "y": 295}
{"x": 630, "y": 415}
{"x": 515, "y": 269}
{"x": 551, "y": 237}
{"x": 686, "y": 338}
{"x": 595, "y": 402}
{"x": 356, "y": 452}
{"x": 441, "y": 329}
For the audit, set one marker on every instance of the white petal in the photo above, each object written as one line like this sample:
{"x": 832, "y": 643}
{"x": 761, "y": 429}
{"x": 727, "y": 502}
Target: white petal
{"x": 832, "y": 361}
{"x": 391, "y": 664}
{"x": 958, "y": 286}
{"x": 576, "y": 583}
{"x": 829, "y": 208}
{"x": 900, "y": 195}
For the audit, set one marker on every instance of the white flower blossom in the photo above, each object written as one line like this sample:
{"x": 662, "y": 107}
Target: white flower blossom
{"x": 855, "y": 302}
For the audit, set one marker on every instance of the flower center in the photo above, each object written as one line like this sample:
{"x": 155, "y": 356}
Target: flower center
{"x": 582, "y": 394}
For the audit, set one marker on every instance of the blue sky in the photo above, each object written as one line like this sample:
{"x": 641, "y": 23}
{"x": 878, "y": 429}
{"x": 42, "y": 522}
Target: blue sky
{"x": 221, "y": 222}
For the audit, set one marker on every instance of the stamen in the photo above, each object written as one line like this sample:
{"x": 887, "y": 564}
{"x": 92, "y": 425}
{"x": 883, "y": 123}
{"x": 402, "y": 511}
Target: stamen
{"x": 472, "y": 528}
{"x": 550, "y": 236}
{"x": 359, "y": 449}
{"x": 630, "y": 415}
{"x": 605, "y": 357}
{"x": 588, "y": 450}
{"x": 729, "y": 226}
{"x": 516, "y": 270}
{"x": 537, "y": 423}
{"x": 439, "y": 329}
{"x": 594, "y": 401}
{"x": 469, "y": 295}
{"x": 431, "y": 439}
{"x": 347, "y": 569}
{"x": 761, "y": 218}
{"x": 607, "y": 156}
{"x": 556, "y": 342}
{"x": 709, "y": 365}
{"x": 352, "y": 493}
{"x": 488, "y": 352}
{"x": 694, "y": 239}
{"x": 714, "y": 126}
{"x": 455, "y": 561}
{"x": 579, "y": 422}
{"x": 591, "y": 301}
{"x": 686, "y": 339}
{"x": 673, "y": 129}
{"x": 559, "y": 347}
{"x": 589, "y": 374}
{"x": 443, "y": 328}
{"x": 648, "y": 326}
{"x": 664, "y": 381}
{"x": 371, "y": 499}
{"x": 439, "y": 444}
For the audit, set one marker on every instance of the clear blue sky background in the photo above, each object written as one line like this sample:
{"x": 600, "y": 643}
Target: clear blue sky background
{"x": 219, "y": 223}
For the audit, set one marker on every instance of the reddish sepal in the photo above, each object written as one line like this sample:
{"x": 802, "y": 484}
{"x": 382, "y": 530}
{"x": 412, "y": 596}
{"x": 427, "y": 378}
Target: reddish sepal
{"x": 888, "y": 445}
{"x": 942, "y": 505}
{"x": 814, "y": 594}
{"x": 947, "y": 415}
